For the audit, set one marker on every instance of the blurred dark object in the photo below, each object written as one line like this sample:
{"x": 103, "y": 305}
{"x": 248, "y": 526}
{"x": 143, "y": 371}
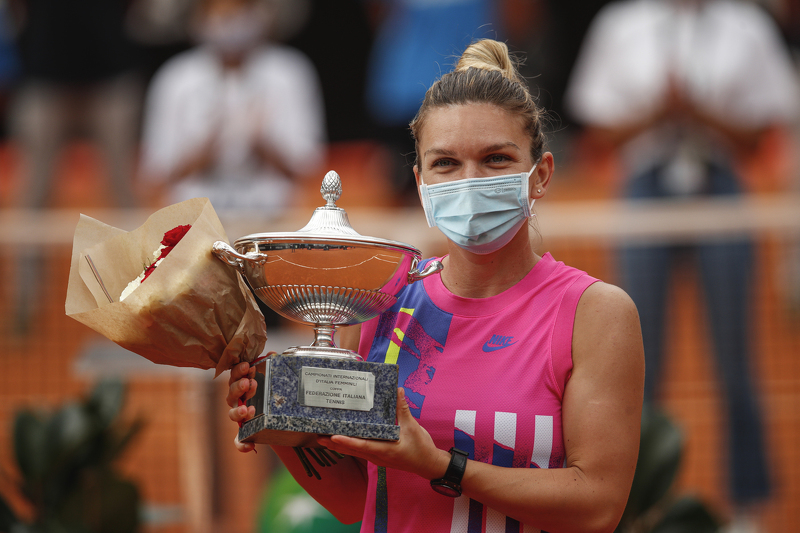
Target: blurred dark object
{"x": 78, "y": 77}
{"x": 66, "y": 467}
{"x": 550, "y": 34}
{"x": 342, "y": 68}
{"x": 73, "y": 42}
{"x": 9, "y": 63}
{"x": 652, "y": 506}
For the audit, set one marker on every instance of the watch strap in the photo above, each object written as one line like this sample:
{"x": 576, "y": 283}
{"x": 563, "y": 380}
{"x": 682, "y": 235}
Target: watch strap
{"x": 454, "y": 474}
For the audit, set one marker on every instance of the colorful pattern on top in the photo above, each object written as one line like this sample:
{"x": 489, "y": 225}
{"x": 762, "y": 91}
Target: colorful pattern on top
{"x": 484, "y": 375}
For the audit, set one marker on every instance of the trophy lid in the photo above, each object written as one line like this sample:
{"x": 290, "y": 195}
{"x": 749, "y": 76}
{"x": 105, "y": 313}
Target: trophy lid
{"x": 330, "y": 219}
{"x": 329, "y": 223}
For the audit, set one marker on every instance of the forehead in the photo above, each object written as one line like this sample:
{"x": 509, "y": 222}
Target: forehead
{"x": 471, "y": 127}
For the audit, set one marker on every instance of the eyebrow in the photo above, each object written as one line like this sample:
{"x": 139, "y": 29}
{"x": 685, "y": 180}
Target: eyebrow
{"x": 490, "y": 148}
{"x": 439, "y": 151}
{"x": 500, "y": 146}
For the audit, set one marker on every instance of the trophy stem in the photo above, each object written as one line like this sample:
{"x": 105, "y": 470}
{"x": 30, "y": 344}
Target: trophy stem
{"x": 323, "y": 346}
{"x": 324, "y": 335}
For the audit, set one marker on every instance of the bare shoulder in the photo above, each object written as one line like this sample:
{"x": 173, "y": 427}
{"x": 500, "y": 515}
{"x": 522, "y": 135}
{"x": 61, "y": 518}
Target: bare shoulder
{"x": 605, "y": 302}
{"x": 606, "y": 322}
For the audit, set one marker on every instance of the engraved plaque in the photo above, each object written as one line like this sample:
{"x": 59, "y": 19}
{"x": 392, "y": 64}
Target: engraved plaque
{"x": 336, "y": 389}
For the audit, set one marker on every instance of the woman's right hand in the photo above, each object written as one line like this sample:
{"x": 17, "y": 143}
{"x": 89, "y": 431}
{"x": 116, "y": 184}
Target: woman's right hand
{"x": 241, "y": 387}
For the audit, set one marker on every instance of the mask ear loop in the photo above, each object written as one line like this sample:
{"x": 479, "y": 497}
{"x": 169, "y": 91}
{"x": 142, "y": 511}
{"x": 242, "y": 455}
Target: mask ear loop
{"x": 426, "y": 207}
{"x": 525, "y": 185}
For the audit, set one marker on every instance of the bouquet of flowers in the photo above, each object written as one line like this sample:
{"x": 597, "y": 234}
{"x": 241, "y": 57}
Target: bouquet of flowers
{"x": 159, "y": 292}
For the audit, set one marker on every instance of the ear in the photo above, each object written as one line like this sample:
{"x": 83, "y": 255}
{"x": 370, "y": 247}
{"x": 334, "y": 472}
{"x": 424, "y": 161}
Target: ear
{"x": 418, "y": 178}
{"x": 540, "y": 179}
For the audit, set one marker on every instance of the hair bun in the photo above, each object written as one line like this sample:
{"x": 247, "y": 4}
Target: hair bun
{"x": 488, "y": 54}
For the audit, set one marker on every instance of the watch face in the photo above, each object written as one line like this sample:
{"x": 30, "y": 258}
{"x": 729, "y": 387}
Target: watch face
{"x": 443, "y": 487}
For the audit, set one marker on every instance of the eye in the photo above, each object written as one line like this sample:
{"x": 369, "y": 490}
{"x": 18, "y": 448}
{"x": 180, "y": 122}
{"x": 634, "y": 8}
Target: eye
{"x": 442, "y": 163}
{"x": 498, "y": 158}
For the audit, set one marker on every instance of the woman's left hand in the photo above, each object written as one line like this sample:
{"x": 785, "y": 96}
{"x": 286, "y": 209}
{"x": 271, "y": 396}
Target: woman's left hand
{"x": 414, "y": 452}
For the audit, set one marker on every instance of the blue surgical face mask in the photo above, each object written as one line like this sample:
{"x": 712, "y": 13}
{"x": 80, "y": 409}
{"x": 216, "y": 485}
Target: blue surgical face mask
{"x": 479, "y": 214}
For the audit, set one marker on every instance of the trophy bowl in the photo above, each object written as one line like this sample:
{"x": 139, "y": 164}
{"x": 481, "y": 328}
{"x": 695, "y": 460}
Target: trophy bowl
{"x": 326, "y": 275}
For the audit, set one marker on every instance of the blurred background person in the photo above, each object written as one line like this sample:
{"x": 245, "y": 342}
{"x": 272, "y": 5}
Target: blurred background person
{"x": 239, "y": 118}
{"x": 415, "y": 41}
{"x": 684, "y": 88}
{"x": 77, "y": 79}
{"x": 787, "y": 14}
{"x": 9, "y": 62}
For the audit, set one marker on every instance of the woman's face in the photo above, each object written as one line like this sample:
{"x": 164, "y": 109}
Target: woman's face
{"x": 232, "y": 27}
{"x": 471, "y": 141}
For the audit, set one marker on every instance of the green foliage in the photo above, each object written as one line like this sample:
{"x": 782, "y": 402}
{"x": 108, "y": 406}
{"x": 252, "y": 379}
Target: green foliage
{"x": 287, "y": 508}
{"x": 66, "y": 465}
{"x": 651, "y": 507}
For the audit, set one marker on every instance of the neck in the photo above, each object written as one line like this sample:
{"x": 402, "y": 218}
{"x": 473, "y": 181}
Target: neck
{"x": 480, "y": 276}
{"x": 231, "y": 61}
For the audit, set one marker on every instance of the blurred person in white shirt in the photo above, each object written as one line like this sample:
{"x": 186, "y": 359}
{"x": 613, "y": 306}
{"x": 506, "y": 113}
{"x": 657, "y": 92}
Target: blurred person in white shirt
{"x": 237, "y": 119}
{"x": 683, "y": 89}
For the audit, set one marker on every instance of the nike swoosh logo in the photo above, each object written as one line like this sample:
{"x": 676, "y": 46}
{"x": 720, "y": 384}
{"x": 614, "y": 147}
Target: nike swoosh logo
{"x": 487, "y": 347}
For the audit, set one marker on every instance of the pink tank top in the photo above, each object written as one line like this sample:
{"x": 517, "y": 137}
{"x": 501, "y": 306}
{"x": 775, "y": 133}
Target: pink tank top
{"x": 484, "y": 375}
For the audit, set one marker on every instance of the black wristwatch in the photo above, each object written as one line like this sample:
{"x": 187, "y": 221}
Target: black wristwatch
{"x": 450, "y": 484}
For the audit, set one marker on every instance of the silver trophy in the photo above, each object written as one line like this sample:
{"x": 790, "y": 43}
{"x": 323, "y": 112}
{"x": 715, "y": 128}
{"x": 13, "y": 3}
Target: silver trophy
{"x": 324, "y": 275}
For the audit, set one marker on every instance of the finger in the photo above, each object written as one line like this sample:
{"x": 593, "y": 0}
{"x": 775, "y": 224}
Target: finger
{"x": 243, "y": 447}
{"x": 325, "y": 441}
{"x": 239, "y": 371}
{"x": 238, "y": 389}
{"x": 234, "y": 393}
{"x": 349, "y": 445}
{"x": 403, "y": 409}
{"x": 338, "y": 443}
{"x": 251, "y": 389}
{"x": 242, "y": 413}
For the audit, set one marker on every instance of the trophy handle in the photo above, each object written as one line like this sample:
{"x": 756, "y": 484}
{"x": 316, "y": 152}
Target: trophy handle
{"x": 227, "y": 254}
{"x": 432, "y": 268}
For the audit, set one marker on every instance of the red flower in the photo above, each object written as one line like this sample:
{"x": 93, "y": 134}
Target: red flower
{"x": 171, "y": 238}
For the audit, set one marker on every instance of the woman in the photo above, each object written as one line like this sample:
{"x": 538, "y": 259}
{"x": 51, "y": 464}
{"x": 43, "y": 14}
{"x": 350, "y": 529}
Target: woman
{"x": 515, "y": 359}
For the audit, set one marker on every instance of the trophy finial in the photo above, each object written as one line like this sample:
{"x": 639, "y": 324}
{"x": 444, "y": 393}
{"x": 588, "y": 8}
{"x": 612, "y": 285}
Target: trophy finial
{"x": 329, "y": 219}
{"x": 331, "y": 188}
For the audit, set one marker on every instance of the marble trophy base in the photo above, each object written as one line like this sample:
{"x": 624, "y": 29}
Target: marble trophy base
{"x": 289, "y": 385}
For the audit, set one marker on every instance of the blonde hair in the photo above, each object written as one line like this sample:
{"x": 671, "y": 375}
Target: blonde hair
{"x": 485, "y": 73}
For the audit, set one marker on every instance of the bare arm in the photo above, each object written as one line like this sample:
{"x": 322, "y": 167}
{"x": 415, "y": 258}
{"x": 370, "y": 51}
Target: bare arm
{"x": 343, "y": 487}
{"x": 271, "y": 156}
{"x": 601, "y": 417}
{"x": 676, "y": 106}
{"x": 601, "y": 420}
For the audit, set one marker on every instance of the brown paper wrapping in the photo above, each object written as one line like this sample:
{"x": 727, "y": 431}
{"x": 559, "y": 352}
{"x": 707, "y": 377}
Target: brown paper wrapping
{"x": 192, "y": 311}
